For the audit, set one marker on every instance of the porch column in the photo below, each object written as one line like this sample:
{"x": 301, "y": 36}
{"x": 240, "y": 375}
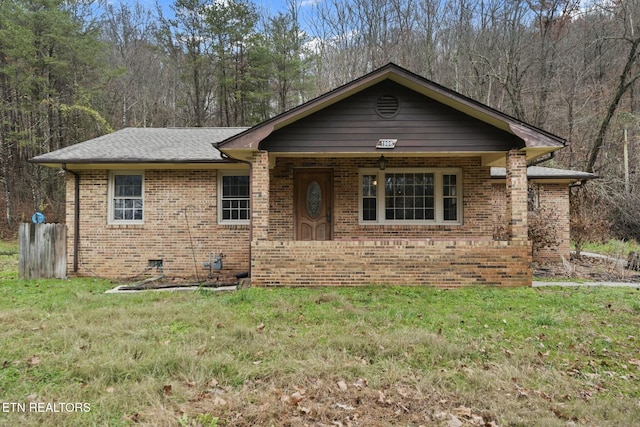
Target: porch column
{"x": 517, "y": 195}
{"x": 260, "y": 196}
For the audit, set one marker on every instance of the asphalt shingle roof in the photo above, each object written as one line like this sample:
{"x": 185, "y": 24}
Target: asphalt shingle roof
{"x": 195, "y": 145}
{"x": 539, "y": 172}
{"x": 145, "y": 145}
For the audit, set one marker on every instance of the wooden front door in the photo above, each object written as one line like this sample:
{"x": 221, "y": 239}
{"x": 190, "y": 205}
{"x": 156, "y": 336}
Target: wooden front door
{"x": 313, "y": 201}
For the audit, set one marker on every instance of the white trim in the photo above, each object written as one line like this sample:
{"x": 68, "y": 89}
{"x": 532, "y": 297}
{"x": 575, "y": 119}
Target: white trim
{"x": 110, "y": 192}
{"x": 235, "y": 172}
{"x": 438, "y": 195}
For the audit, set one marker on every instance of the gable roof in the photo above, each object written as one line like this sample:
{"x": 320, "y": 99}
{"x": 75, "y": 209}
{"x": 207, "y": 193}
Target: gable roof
{"x": 536, "y": 141}
{"x": 144, "y": 145}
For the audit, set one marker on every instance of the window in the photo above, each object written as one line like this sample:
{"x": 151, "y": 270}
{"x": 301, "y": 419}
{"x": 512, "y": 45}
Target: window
{"x": 233, "y": 199}
{"x": 126, "y": 201}
{"x": 410, "y": 196}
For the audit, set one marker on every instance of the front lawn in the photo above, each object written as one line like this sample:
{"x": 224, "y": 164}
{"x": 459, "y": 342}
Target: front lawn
{"x": 362, "y": 356}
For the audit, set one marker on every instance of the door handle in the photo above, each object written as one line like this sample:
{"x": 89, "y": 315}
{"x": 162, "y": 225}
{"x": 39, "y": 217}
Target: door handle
{"x": 328, "y": 216}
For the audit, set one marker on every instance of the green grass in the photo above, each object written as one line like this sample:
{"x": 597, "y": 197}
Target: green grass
{"x": 613, "y": 248}
{"x": 365, "y": 356}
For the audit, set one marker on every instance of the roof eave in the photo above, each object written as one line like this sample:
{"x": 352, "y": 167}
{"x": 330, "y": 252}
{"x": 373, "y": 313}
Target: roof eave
{"x": 137, "y": 163}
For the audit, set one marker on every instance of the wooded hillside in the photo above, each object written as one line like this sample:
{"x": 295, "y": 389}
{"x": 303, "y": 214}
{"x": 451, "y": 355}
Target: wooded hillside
{"x": 73, "y": 70}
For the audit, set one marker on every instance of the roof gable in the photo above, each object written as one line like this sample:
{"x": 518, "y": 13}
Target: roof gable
{"x": 388, "y": 110}
{"x": 531, "y": 137}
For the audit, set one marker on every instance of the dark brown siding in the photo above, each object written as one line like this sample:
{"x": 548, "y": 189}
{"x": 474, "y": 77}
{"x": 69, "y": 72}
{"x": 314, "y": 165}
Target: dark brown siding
{"x": 421, "y": 125}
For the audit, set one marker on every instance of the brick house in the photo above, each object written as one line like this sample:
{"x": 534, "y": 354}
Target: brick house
{"x": 389, "y": 179}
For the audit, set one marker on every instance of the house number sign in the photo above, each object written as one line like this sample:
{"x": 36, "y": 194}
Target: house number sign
{"x": 387, "y": 143}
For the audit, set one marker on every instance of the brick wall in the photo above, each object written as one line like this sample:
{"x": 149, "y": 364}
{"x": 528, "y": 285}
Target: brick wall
{"x": 399, "y": 262}
{"x": 181, "y": 219}
{"x": 477, "y": 190}
{"x": 180, "y": 227}
{"x": 260, "y": 196}
{"x": 516, "y": 195}
{"x": 554, "y": 197}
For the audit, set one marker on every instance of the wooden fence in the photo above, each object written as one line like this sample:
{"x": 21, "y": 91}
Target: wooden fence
{"x": 42, "y": 251}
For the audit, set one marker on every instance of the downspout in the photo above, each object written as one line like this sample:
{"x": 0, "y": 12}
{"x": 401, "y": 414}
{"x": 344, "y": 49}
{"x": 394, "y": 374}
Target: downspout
{"x": 225, "y": 156}
{"x": 76, "y": 215}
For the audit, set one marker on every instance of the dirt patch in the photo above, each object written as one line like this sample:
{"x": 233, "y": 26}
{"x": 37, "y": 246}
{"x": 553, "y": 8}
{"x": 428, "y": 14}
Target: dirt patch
{"x": 605, "y": 269}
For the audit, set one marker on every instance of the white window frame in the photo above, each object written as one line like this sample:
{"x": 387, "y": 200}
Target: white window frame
{"x": 111, "y": 195}
{"x": 439, "y": 197}
{"x": 221, "y": 174}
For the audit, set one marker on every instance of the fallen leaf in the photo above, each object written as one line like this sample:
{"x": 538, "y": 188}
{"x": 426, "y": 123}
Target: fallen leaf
{"x": 292, "y": 399}
{"x": 342, "y": 385}
{"x": 166, "y": 390}
{"x": 477, "y": 420}
{"x": 296, "y": 398}
{"x": 260, "y": 327}
{"x": 133, "y": 418}
{"x": 635, "y": 362}
{"x": 360, "y": 383}
{"x": 345, "y": 407}
{"x": 213, "y": 382}
{"x": 441, "y": 416}
{"x": 521, "y": 392}
{"x": 462, "y": 411}
{"x": 454, "y": 422}
{"x": 33, "y": 361}
{"x": 219, "y": 401}
{"x": 110, "y": 389}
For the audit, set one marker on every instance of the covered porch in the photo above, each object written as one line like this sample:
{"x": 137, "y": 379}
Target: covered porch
{"x": 387, "y": 180}
{"x": 352, "y": 251}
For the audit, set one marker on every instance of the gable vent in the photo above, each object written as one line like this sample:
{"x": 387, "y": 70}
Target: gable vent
{"x": 387, "y": 106}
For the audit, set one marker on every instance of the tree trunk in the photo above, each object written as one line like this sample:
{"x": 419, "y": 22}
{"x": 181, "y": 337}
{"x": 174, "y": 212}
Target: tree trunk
{"x": 624, "y": 84}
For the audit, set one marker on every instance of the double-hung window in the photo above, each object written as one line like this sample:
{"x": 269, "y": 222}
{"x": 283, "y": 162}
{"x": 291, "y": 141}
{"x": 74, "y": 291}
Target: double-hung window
{"x": 126, "y": 201}
{"x": 410, "y": 196}
{"x": 233, "y": 197}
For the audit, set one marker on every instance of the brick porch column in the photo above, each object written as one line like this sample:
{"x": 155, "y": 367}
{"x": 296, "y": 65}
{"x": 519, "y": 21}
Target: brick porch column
{"x": 260, "y": 196}
{"x": 517, "y": 195}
